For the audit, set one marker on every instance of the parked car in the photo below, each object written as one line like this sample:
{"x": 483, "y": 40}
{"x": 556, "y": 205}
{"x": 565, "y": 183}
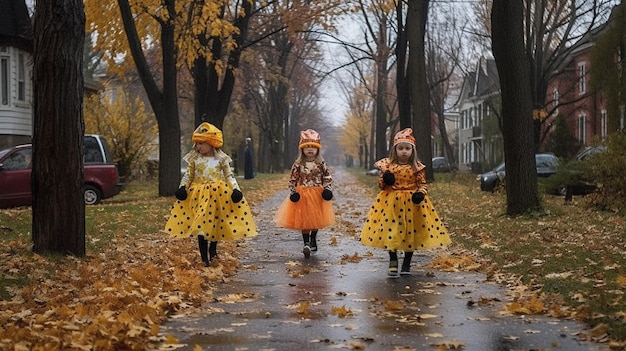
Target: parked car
{"x": 100, "y": 173}
{"x": 440, "y": 164}
{"x": 547, "y": 165}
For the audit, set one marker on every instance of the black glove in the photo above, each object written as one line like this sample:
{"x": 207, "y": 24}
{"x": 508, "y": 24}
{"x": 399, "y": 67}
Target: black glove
{"x": 294, "y": 197}
{"x": 236, "y": 196}
{"x": 181, "y": 193}
{"x": 389, "y": 178}
{"x": 327, "y": 194}
{"x": 417, "y": 197}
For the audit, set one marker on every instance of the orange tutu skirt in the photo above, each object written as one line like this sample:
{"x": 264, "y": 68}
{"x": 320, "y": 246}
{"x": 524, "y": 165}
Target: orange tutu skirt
{"x": 310, "y": 212}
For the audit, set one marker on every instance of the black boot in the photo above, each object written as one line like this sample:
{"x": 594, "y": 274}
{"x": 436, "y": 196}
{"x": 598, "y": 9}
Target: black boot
{"x": 406, "y": 263}
{"x": 307, "y": 244}
{"x": 314, "y": 240}
{"x": 392, "y": 272}
{"x": 203, "y": 245}
{"x": 212, "y": 250}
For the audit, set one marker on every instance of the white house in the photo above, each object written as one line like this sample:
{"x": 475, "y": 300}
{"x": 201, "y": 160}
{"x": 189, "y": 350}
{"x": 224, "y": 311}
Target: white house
{"x": 480, "y": 139}
{"x": 16, "y": 47}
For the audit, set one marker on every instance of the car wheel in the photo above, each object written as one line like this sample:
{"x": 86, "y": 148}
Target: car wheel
{"x": 92, "y": 195}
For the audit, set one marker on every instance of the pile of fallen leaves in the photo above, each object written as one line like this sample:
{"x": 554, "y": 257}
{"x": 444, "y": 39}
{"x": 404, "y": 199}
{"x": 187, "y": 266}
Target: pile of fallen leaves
{"x": 115, "y": 299}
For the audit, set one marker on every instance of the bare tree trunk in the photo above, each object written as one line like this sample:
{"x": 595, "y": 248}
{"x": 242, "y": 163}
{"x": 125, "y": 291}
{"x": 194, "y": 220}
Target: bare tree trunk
{"x": 420, "y": 94}
{"x": 57, "y": 178}
{"x": 164, "y": 103}
{"x": 402, "y": 84}
{"x": 517, "y": 123}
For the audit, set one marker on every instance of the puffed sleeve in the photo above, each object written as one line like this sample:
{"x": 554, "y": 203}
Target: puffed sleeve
{"x": 294, "y": 177}
{"x": 383, "y": 166}
{"x": 421, "y": 182}
{"x": 189, "y": 175}
{"x": 327, "y": 179}
{"x": 227, "y": 173}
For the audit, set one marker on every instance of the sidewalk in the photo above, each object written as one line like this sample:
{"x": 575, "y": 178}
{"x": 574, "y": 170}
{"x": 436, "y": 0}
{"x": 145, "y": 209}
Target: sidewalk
{"x": 341, "y": 298}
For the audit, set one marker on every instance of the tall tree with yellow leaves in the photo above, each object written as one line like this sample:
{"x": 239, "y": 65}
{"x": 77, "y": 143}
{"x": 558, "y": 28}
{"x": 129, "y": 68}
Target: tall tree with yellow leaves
{"x": 124, "y": 32}
{"x": 355, "y": 135}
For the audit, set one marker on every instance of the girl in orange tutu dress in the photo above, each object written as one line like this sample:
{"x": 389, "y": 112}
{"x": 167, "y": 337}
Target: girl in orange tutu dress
{"x": 403, "y": 217}
{"x": 308, "y": 207}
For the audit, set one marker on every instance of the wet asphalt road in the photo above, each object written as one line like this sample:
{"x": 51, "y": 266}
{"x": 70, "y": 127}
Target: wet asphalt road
{"x": 341, "y": 298}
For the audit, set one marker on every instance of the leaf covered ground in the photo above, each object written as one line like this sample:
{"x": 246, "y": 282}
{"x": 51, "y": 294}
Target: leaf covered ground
{"x": 567, "y": 261}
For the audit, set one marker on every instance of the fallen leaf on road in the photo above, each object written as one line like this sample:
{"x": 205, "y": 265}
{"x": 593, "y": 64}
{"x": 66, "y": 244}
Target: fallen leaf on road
{"x": 449, "y": 345}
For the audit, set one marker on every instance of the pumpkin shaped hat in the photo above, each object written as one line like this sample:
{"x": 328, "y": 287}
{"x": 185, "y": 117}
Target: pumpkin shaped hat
{"x": 310, "y": 138}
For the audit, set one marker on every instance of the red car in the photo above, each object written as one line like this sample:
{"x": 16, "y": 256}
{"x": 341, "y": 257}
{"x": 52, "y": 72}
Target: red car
{"x": 101, "y": 177}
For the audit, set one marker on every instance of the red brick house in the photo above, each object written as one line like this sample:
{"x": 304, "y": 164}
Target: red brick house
{"x": 571, "y": 94}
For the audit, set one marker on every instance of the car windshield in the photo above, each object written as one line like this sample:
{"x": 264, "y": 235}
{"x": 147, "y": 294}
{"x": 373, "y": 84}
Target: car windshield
{"x": 4, "y": 152}
{"x": 500, "y": 168}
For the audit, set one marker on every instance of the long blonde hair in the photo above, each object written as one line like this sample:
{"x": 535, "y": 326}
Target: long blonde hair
{"x": 318, "y": 158}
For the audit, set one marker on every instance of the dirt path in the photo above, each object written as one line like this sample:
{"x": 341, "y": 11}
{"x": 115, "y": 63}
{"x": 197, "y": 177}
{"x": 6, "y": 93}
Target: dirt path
{"x": 341, "y": 298}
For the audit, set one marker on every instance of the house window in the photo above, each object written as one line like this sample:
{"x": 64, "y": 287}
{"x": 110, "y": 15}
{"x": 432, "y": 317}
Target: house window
{"x": 4, "y": 81}
{"x": 21, "y": 78}
{"x": 603, "y": 126}
{"x": 582, "y": 78}
{"x": 582, "y": 122}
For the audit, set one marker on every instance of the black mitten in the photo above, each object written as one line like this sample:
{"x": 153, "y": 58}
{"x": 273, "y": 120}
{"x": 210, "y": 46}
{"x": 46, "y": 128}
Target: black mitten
{"x": 294, "y": 197}
{"x": 327, "y": 194}
{"x": 181, "y": 193}
{"x": 236, "y": 196}
{"x": 389, "y": 178}
{"x": 417, "y": 197}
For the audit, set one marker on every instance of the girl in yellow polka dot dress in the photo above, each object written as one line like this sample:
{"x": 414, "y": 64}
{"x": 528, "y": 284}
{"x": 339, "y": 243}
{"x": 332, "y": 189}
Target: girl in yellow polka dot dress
{"x": 210, "y": 203}
{"x": 403, "y": 217}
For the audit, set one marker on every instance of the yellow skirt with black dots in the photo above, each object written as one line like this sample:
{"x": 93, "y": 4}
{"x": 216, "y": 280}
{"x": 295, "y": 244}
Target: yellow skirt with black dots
{"x": 394, "y": 222}
{"x": 209, "y": 210}
{"x": 310, "y": 212}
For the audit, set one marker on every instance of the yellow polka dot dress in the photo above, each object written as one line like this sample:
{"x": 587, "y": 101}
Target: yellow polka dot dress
{"x": 394, "y": 222}
{"x": 208, "y": 209}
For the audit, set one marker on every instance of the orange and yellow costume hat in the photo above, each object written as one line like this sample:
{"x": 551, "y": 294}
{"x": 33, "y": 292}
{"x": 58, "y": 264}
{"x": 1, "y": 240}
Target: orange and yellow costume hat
{"x": 404, "y": 136}
{"x": 209, "y": 134}
{"x": 310, "y": 138}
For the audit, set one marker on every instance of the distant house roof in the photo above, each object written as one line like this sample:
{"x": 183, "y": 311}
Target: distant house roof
{"x": 481, "y": 83}
{"x": 15, "y": 25}
{"x": 486, "y": 80}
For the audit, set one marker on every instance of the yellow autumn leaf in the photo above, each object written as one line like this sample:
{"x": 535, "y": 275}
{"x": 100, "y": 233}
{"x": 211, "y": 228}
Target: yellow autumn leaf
{"x": 303, "y": 308}
{"x": 341, "y": 312}
{"x": 391, "y": 305}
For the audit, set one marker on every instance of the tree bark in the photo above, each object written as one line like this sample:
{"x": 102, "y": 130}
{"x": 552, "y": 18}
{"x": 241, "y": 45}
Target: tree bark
{"x": 420, "y": 95}
{"x": 164, "y": 103}
{"x": 58, "y": 223}
{"x": 517, "y": 123}
{"x": 402, "y": 84}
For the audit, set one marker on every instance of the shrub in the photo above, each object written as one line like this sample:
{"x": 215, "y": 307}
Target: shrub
{"x": 608, "y": 170}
